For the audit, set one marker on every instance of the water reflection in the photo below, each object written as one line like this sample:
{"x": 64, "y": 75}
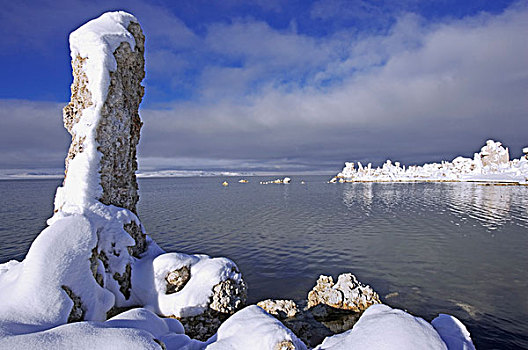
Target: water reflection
{"x": 478, "y": 204}
{"x": 402, "y": 239}
{"x": 358, "y": 194}
{"x": 490, "y": 206}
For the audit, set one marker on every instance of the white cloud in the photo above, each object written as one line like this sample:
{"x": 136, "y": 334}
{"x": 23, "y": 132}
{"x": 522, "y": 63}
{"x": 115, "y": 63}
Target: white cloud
{"x": 454, "y": 84}
{"x": 32, "y": 134}
{"x": 419, "y": 92}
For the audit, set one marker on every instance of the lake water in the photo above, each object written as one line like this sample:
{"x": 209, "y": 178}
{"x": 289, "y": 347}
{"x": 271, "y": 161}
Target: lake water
{"x": 456, "y": 248}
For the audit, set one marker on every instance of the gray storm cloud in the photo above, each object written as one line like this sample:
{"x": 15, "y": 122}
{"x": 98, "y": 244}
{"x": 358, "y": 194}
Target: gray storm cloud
{"x": 419, "y": 92}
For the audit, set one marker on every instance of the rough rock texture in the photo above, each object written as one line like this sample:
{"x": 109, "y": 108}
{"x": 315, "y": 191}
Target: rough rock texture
{"x": 119, "y": 127}
{"x": 336, "y": 320}
{"x": 81, "y": 98}
{"x": 280, "y": 308}
{"x": 118, "y": 130}
{"x": 284, "y": 345}
{"x": 94, "y": 266}
{"x": 177, "y": 279}
{"x": 306, "y": 327}
{"x": 124, "y": 280}
{"x": 331, "y": 308}
{"x": 228, "y": 296}
{"x": 77, "y": 312}
{"x": 347, "y": 293}
{"x": 117, "y": 135}
{"x": 203, "y": 326}
{"x": 136, "y": 232}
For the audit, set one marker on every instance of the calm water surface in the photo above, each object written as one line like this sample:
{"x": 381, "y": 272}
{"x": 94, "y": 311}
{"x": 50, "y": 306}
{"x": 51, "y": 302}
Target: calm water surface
{"x": 455, "y": 248}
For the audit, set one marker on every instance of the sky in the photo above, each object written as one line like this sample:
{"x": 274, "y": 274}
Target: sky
{"x": 281, "y": 86}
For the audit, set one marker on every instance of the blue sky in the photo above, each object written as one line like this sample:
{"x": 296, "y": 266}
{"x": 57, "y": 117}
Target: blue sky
{"x": 285, "y": 86}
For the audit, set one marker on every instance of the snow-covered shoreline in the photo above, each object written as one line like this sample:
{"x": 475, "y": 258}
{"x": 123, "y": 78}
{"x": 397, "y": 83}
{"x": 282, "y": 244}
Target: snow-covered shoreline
{"x": 491, "y": 165}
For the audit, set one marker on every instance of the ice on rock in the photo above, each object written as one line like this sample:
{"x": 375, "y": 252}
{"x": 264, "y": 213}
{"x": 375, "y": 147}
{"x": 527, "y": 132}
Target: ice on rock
{"x": 285, "y": 180}
{"x": 491, "y": 164}
{"x": 381, "y": 327}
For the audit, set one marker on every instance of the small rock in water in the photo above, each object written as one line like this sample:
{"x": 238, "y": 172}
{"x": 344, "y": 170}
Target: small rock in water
{"x": 392, "y": 295}
{"x": 331, "y": 308}
{"x": 346, "y": 294}
{"x": 279, "y": 308}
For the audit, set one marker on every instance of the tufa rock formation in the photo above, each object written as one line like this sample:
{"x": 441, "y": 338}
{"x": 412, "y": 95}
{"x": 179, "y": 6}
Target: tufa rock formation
{"x": 346, "y": 294}
{"x": 493, "y": 154}
{"x": 280, "y": 308}
{"x": 100, "y": 183}
{"x": 331, "y": 308}
{"x": 117, "y": 129}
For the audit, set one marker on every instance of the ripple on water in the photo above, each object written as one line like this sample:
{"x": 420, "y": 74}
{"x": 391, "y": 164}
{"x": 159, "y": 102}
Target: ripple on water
{"x": 444, "y": 248}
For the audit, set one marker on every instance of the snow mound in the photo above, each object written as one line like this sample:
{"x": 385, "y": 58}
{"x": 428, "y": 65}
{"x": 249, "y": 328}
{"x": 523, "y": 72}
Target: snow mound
{"x": 382, "y": 327}
{"x": 253, "y": 328}
{"x": 82, "y": 335}
{"x": 194, "y": 296}
{"x": 39, "y": 292}
{"x": 453, "y": 332}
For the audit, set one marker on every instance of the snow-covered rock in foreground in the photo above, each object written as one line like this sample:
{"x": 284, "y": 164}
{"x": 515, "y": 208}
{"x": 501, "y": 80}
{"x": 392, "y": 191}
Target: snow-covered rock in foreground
{"x": 134, "y": 329}
{"x": 196, "y": 277}
{"x": 94, "y": 258}
{"x": 453, "y": 332}
{"x": 54, "y": 284}
{"x": 253, "y": 328}
{"x": 491, "y": 164}
{"x": 382, "y": 327}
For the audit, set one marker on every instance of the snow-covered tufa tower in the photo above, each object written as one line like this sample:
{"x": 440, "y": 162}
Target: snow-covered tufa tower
{"x": 102, "y": 117}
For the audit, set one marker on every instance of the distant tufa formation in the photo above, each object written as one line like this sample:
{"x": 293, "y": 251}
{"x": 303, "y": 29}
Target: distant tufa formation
{"x": 491, "y": 164}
